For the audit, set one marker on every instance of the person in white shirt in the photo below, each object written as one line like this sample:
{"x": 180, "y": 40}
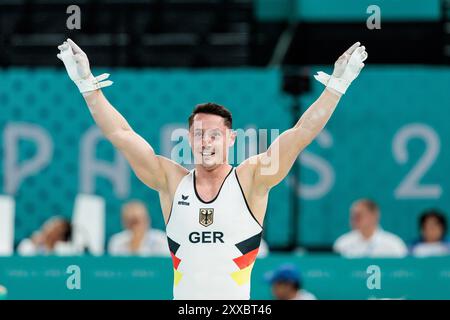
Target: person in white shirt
{"x": 367, "y": 238}
{"x": 138, "y": 238}
{"x": 433, "y": 241}
{"x": 286, "y": 284}
{"x": 52, "y": 239}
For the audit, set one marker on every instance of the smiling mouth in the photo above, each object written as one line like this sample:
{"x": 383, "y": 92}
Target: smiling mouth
{"x": 208, "y": 154}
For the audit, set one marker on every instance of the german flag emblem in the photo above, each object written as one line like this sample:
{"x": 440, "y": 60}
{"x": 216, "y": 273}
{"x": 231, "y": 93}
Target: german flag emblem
{"x": 249, "y": 249}
{"x": 206, "y": 216}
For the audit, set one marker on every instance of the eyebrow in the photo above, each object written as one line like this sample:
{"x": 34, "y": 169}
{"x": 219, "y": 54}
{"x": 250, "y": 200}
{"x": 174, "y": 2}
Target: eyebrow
{"x": 211, "y": 130}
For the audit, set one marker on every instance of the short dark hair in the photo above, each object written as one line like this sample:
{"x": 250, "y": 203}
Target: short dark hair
{"x": 434, "y": 213}
{"x": 67, "y": 235}
{"x": 370, "y": 204}
{"x": 212, "y": 108}
{"x": 297, "y": 285}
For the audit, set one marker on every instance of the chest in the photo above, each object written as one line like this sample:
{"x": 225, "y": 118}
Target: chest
{"x": 208, "y": 191}
{"x": 199, "y": 220}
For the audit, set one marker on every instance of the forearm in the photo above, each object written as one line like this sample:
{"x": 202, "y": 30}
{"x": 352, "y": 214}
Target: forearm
{"x": 284, "y": 151}
{"x": 317, "y": 115}
{"x": 141, "y": 156}
{"x": 107, "y": 118}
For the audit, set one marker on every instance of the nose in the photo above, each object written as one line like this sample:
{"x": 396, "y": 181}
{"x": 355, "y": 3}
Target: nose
{"x": 206, "y": 140}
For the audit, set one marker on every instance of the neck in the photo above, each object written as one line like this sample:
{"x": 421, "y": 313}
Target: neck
{"x": 291, "y": 295}
{"x": 217, "y": 173}
{"x": 368, "y": 233}
{"x": 50, "y": 245}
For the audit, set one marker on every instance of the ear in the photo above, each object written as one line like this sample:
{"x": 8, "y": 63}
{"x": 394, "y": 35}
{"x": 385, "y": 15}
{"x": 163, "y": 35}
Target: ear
{"x": 189, "y": 138}
{"x": 232, "y": 137}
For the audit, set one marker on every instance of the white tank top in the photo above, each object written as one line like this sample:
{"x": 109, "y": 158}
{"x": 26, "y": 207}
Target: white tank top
{"x": 213, "y": 244}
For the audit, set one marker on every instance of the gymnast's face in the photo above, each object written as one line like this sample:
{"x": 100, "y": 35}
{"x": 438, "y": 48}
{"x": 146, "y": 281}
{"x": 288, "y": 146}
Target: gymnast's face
{"x": 210, "y": 139}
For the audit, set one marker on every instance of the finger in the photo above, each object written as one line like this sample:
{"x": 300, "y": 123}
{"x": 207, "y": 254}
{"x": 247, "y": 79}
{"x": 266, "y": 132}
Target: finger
{"x": 360, "y": 50}
{"x": 344, "y": 57}
{"x": 344, "y": 60}
{"x": 341, "y": 58}
{"x": 75, "y": 47}
{"x": 59, "y": 56}
{"x": 364, "y": 56}
{"x": 352, "y": 48}
{"x": 63, "y": 46}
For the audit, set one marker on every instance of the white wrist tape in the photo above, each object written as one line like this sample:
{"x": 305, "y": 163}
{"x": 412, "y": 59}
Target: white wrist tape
{"x": 93, "y": 83}
{"x": 322, "y": 77}
{"x": 338, "y": 84}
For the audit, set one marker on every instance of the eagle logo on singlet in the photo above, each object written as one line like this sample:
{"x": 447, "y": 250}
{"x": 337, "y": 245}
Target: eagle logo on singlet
{"x": 206, "y": 216}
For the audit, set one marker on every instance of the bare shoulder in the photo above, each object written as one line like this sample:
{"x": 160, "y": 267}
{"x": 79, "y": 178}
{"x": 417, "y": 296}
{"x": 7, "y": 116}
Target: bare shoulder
{"x": 248, "y": 174}
{"x": 256, "y": 194}
{"x": 174, "y": 173}
{"x": 246, "y": 170}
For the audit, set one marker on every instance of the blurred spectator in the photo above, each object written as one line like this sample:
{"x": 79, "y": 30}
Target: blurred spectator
{"x": 3, "y": 292}
{"x": 367, "y": 238}
{"x": 138, "y": 238}
{"x": 286, "y": 284}
{"x": 433, "y": 230}
{"x": 53, "y": 238}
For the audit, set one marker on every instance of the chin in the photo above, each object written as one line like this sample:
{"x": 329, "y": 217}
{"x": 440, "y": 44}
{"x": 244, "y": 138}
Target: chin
{"x": 209, "y": 166}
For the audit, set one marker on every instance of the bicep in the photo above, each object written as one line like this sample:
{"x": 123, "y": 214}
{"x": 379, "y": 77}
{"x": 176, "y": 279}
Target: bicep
{"x": 273, "y": 165}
